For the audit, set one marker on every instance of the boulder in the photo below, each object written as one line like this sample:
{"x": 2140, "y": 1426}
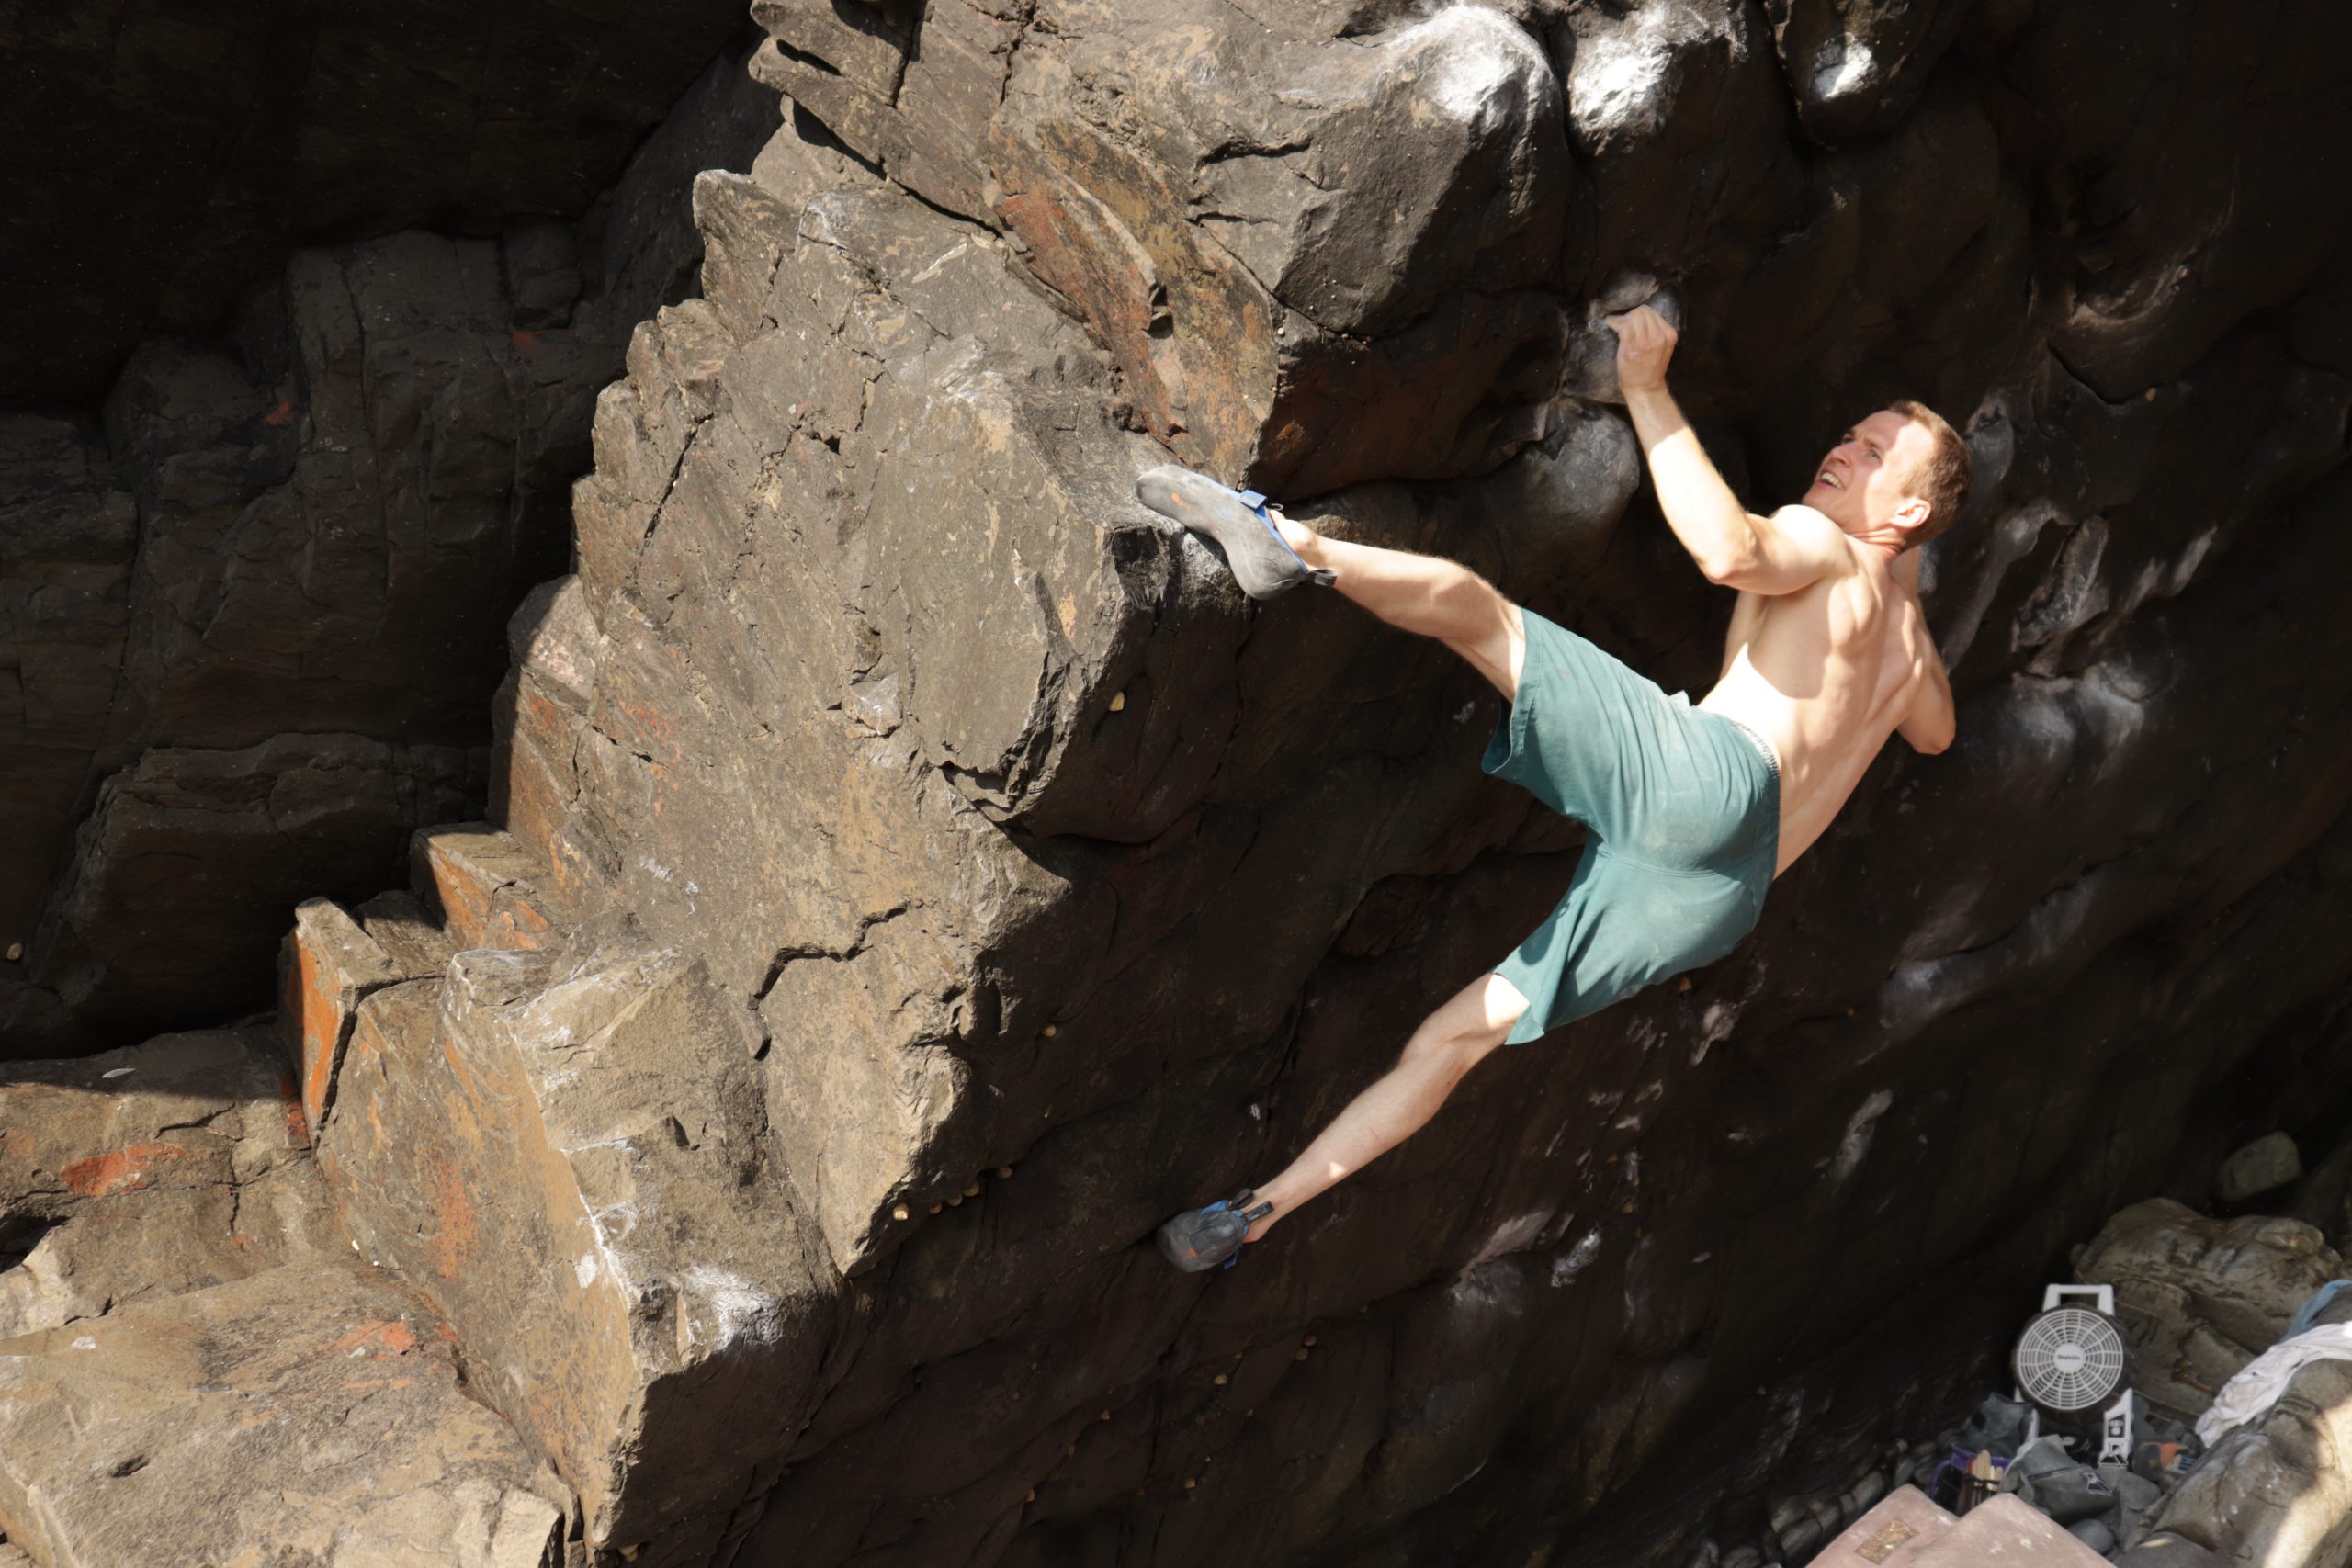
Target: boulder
{"x": 1335, "y": 282}
{"x": 2200, "y": 1298}
{"x": 2278, "y": 1490}
{"x": 2265, "y": 1165}
{"x": 946, "y": 873}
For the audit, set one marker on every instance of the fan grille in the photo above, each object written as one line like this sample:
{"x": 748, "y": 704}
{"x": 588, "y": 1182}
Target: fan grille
{"x": 2069, "y": 1359}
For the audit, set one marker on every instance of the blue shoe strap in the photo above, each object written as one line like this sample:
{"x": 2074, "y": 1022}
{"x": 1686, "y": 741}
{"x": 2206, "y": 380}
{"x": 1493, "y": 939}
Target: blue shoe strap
{"x": 1256, "y": 501}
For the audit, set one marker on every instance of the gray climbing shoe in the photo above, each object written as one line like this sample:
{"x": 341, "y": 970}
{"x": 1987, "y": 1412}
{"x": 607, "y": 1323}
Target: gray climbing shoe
{"x": 1199, "y": 1239}
{"x": 1235, "y": 521}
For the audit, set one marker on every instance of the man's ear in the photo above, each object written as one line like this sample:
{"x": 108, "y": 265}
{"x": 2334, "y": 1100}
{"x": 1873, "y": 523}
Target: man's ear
{"x": 1912, "y": 515}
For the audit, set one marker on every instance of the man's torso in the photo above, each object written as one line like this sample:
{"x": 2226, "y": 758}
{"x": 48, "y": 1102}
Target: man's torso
{"x": 1825, "y": 674}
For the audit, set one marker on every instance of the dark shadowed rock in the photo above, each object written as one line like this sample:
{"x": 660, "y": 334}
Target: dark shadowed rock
{"x": 2265, "y": 1165}
{"x": 200, "y": 146}
{"x": 285, "y": 559}
{"x": 186, "y": 830}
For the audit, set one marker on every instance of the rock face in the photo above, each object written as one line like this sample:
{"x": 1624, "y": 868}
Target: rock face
{"x": 914, "y": 870}
{"x": 1035, "y": 851}
{"x": 564, "y": 1155}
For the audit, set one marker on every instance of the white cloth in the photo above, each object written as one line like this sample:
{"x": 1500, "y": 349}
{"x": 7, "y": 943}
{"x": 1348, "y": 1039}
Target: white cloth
{"x": 2261, "y": 1381}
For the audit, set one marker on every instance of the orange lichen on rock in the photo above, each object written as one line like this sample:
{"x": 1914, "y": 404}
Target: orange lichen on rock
{"x": 131, "y": 1169}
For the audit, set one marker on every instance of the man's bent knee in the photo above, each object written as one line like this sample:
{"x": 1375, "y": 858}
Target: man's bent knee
{"x": 1470, "y": 1024}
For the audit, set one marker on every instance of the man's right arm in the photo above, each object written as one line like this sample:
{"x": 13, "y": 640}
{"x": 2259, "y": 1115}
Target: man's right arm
{"x": 1793, "y": 548}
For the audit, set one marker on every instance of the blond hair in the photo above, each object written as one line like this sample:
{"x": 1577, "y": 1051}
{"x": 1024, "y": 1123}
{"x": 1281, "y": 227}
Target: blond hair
{"x": 1942, "y": 478}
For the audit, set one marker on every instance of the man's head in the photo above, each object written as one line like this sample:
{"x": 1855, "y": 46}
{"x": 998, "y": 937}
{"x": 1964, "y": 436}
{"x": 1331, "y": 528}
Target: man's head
{"x": 1902, "y": 470}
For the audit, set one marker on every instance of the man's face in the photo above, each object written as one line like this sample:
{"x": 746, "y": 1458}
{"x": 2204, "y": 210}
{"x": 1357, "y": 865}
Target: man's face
{"x": 1866, "y": 478}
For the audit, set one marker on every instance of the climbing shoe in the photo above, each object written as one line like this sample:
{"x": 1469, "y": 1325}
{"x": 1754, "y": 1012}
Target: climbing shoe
{"x": 1203, "y": 1239}
{"x": 1262, "y": 562}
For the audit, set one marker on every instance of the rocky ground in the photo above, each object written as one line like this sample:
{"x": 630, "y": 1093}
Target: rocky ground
{"x": 911, "y": 871}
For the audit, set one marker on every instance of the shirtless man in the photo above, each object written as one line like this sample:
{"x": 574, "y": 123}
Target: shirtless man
{"x": 1691, "y": 811}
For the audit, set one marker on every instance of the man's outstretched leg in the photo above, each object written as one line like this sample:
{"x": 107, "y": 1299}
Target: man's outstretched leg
{"x": 1449, "y": 1043}
{"x": 1271, "y": 555}
{"x": 1427, "y": 595}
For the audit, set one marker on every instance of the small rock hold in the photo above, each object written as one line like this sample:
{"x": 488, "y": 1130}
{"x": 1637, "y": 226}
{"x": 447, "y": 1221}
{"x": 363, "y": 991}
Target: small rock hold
{"x": 1048, "y": 1032}
{"x": 898, "y": 1211}
{"x": 2268, "y": 1162}
{"x": 1220, "y": 1379}
{"x": 1118, "y": 701}
{"x": 1002, "y": 1171}
{"x": 15, "y": 951}
{"x": 973, "y": 1191}
{"x": 1300, "y": 1357}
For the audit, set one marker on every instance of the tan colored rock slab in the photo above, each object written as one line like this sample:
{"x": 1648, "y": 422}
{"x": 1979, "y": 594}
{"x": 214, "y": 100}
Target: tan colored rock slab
{"x": 568, "y": 1158}
{"x": 2007, "y": 1533}
{"x": 1894, "y": 1534}
{"x": 310, "y": 1415}
{"x": 485, "y": 883}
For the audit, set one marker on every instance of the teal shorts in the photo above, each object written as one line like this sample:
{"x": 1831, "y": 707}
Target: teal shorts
{"x": 1683, "y": 810}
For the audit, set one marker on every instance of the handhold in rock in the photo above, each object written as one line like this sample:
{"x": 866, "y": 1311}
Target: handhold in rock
{"x": 1591, "y": 358}
{"x": 2270, "y": 1161}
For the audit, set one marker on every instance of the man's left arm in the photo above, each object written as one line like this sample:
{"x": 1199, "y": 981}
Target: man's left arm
{"x": 1791, "y": 550}
{"x": 1933, "y": 720}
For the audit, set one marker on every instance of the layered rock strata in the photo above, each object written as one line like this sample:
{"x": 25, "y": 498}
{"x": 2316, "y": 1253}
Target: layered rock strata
{"x": 247, "y": 611}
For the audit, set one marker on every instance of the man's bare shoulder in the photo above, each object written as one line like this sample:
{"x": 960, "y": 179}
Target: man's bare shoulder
{"x": 1815, "y": 531}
